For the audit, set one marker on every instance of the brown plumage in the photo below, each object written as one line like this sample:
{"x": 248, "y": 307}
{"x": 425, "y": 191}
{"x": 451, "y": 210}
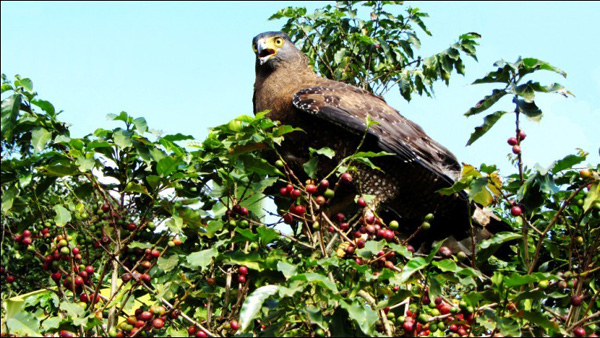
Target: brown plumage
{"x": 333, "y": 113}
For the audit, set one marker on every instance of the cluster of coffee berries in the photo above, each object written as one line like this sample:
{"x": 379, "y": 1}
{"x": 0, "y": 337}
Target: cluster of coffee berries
{"x": 515, "y": 142}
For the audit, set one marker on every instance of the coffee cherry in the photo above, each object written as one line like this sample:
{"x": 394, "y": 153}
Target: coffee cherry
{"x": 445, "y": 252}
{"x": 201, "y": 334}
{"x": 320, "y": 200}
{"x": 242, "y": 270}
{"x": 130, "y": 227}
{"x": 177, "y": 241}
{"x": 158, "y": 323}
{"x": 241, "y": 279}
{"x": 579, "y": 331}
{"x": 145, "y": 277}
{"x": 410, "y": 248}
{"x": 66, "y": 334}
{"x": 522, "y": 135}
{"x": 295, "y": 193}
{"x": 324, "y": 184}
{"x": 516, "y": 211}
{"x": 388, "y": 235}
{"x": 513, "y": 141}
{"x": 75, "y": 251}
{"x": 155, "y": 253}
{"x": 426, "y": 226}
{"x": 361, "y": 202}
{"x": 350, "y": 250}
{"x": 408, "y": 326}
{"x": 288, "y": 218}
{"x": 516, "y": 149}
{"x": 284, "y": 192}
{"x": 300, "y": 210}
{"x": 56, "y": 276}
{"x": 576, "y": 300}
{"x": 126, "y": 277}
{"x": 10, "y": 278}
{"x": 146, "y": 315}
{"x": 26, "y": 241}
{"x": 344, "y": 226}
{"x": 311, "y": 189}
{"x": 26, "y": 233}
{"x": 329, "y": 193}
{"x": 234, "y": 325}
{"x": 394, "y": 225}
{"x": 346, "y": 178}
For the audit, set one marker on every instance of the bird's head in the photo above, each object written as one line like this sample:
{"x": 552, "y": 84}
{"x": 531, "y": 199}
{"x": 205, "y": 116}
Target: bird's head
{"x": 274, "y": 48}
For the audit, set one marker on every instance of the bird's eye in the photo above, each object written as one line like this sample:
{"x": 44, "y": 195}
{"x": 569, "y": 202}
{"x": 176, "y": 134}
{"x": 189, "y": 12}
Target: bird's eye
{"x": 278, "y": 42}
{"x": 254, "y": 48}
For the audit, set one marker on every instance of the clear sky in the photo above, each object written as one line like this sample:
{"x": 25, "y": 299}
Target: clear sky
{"x": 187, "y": 66}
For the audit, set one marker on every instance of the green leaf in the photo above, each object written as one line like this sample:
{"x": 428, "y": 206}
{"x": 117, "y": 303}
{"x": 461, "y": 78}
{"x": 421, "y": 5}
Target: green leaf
{"x": 310, "y": 167}
{"x": 136, "y": 187}
{"x": 486, "y": 102}
{"x": 140, "y": 125}
{"x": 539, "y": 319}
{"x": 530, "y": 109}
{"x": 26, "y": 83}
{"x": 488, "y": 123}
{"x": 175, "y": 224}
{"x": 532, "y": 64}
{"x": 168, "y": 263}
{"x": 287, "y": 269}
{"x": 123, "y": 138}
{"x": 592, "y": 196}
{"x": 517, "y": 280}
{"x": 316, "y": 277}
{"x": 72, "y": 309}
{"x": 371, "y": 248}
{"x": 61, "y": 170}
{"x": 411, "y": 267}
{"x": 488, "y": 247}
{"x": 502, "y": 74}
{"x": 325, "y": 151}
{"x": 253, "y": 304}
{"x": 246, "y": 233}
{"x": 202, "y": 258}
{"x": 8, "y": 198}
{"x": 252, "y": 260}
{"x": 339, "y": 55}
{"x": 446, "y": 265}
{"x": 85, "y": 164}
{"x": 10, "y": 112}
{"x": 45, "y": 106}
{"x": 63, "y": 216}
{"x": 24, "y": 324}
{"x": 51, "y": 323}
{"x": 566, "y": 163}
{"x": 364, "y": 316}
{"x": 167, "y": 165}
{"x": 267, "y": 235}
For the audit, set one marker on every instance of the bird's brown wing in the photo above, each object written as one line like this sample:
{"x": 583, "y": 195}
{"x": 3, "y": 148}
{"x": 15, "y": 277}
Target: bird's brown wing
{"x": 348, "y": 107}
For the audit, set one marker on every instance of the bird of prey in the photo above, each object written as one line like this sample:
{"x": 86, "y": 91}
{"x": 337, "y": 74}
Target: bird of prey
{"x": 333, "y": 114}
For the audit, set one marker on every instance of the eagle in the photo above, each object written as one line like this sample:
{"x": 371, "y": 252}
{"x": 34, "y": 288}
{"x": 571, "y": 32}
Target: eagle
{"x": 334, "y": 114}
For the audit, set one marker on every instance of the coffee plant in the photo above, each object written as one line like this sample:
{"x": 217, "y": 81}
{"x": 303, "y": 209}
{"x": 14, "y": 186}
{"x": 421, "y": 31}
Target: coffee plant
{"x": 128, "y": 232}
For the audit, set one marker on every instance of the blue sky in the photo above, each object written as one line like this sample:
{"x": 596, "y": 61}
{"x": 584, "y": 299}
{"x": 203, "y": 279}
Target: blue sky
{"x": 187, "y": 66}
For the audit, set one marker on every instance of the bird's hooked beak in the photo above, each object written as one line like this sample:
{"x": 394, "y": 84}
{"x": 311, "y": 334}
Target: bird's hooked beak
{"x": 265, "y": 50}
